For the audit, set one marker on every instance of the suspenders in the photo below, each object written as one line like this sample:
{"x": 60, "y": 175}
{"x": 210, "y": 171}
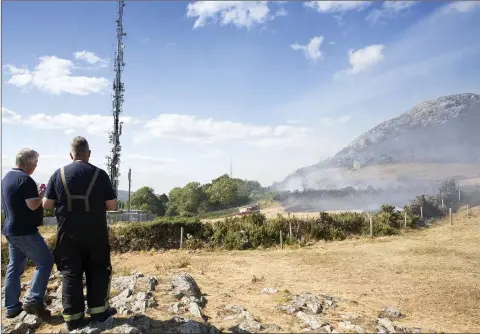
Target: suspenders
{"x": 84, "y": 197}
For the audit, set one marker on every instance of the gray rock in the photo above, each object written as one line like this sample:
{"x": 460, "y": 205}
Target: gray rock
{"x": 290, "y": 309}
{"x": 386, "y": 324}
{"x": 176, "y": 294}
{"x": 351, "y": 327}
{"x": 269, "y": 291}
{"x": 152, "y": 283}
{"x": 137, "y": 275}
{"x": 193, "y": 327}
{"x": 122, "y": 299}
{"x": 194, "y": 309}
{"x": 390, "y": 313}
{"x": 140, "y": 322}
{"x": 214, "y": 330}
{"x": 140, "y": 304}
{"x": 315, "y": 308}
{"x": 127, "y": 329}
{"x": 175, "y": 308}
{"x": 32, "y": 321}
{"x": 87, "y": 330}
{"x": 350, "y": 316}
{"x": 310, "y": 320}
{"x": 120, "y": 283}
{"x": 249, "y": 322}
{"x": 236, "y": 309}
{"x": 186, "y": 285}
{"x": 328, "y": 328}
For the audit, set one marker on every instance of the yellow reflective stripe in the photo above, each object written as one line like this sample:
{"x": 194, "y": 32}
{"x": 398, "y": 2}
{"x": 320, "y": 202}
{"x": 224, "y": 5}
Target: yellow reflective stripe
{"x": 71, "y": 317}
{"x": 101, "y": 309}
{"x": 97, "y": 310}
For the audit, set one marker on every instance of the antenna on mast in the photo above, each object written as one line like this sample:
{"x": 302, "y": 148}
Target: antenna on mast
{"x": 129, "y": 186}
{"x": 231, "y": 172}
{"x": 113, "y": 161}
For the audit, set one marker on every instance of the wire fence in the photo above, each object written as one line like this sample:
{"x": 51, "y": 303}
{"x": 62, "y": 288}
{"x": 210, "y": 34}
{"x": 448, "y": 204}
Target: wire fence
{"x": 113, "y": 218}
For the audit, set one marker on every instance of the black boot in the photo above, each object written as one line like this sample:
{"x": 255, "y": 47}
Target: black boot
{"x": 74, "y": 324}
{"x": 16, "y": 313}
{"x": 38, "y": 309}
{"x": 101, "y": 317}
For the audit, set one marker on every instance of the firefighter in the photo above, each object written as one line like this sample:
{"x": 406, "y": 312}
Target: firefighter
{"x": 81, "y": 193}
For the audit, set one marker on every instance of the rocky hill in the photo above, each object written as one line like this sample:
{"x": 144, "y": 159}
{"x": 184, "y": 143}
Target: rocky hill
{"x": 445, "y": 130}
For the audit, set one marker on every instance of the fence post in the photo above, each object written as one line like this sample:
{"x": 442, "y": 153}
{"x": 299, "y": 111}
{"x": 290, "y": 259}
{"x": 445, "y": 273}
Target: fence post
{"x": 468, "y": 211}
{"x": 371, "y": 225}
{"x": 443, "y": 205}
{"x": 405, "y": 219}
{"x": 451, "y": 220}
{"x": 290, "y": 229}
{"x": 421, "y": 212}
{"x": 181, "y": 237}
{"x": 459, "y": 199}
{"x": 281, "y": 240}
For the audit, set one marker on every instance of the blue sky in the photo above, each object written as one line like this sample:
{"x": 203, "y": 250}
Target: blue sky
{"x": 274, "y": 86}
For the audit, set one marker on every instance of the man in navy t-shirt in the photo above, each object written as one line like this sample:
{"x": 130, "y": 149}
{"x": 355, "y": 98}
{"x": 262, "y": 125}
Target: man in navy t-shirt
{"x": 22, "y": 203}
{"x": 81, "y": 193}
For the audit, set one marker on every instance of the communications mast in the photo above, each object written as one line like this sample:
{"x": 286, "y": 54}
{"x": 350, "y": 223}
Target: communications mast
{"x": 113, "y": 161}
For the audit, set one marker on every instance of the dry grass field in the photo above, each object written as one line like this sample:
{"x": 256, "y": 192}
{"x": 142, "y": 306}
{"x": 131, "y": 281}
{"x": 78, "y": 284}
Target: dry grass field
{"x": 431, "y": 275}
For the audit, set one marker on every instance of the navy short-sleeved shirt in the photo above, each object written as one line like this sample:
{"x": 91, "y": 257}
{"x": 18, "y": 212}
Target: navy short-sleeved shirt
{"x": 17, "y": 187}
{"x": 78, "y": 176}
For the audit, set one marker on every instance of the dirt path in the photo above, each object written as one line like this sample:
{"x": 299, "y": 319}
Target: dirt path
{"x": 432, "y": 276}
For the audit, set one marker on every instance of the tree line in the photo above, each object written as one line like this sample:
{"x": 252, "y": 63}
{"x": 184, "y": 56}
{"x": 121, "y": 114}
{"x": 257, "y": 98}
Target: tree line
{"x": 195, "y": 198}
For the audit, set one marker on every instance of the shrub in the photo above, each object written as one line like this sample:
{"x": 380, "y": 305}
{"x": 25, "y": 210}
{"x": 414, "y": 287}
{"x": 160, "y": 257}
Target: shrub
{"x": 163, "y": 233}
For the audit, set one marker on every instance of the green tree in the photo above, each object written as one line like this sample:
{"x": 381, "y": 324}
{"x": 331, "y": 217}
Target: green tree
{"x": 223, "y": 191}
{"x": 145, "y": 199}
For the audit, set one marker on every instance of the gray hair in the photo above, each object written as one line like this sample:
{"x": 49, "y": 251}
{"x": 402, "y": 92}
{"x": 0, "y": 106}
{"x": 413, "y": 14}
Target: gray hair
{"x": 26, "y": 157}
{"x": 79, "y": 146}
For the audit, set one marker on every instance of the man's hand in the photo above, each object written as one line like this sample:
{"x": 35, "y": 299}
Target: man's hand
{"x": 41, "y": 190}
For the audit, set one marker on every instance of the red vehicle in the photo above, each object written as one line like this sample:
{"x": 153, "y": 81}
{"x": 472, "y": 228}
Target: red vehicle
{"x": 249, "y": 209}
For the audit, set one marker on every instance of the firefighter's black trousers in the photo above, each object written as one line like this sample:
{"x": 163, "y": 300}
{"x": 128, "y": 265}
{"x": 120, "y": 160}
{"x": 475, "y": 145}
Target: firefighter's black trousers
{"x": 89, "y": 254}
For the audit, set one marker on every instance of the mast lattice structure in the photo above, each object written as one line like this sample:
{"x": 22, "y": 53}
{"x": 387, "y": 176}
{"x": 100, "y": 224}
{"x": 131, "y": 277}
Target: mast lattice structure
{"x": 113, "y": 161}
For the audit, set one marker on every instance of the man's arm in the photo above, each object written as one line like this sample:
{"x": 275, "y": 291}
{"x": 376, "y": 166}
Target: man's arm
{"x": 110, "y": 197}
{"x": 50, "y": 194}
{"x": 30, "y": 194}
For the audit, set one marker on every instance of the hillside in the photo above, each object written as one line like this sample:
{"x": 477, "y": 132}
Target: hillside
{"x": 441, "y": 131}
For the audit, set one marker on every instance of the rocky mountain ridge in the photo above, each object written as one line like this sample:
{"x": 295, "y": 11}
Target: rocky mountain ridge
{"x": 444, "y": 130}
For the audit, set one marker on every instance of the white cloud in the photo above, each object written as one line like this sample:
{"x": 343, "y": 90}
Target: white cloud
{"x": 328, "y": 121}
{"x": 337, "y": 6}
{"x": 186, "y": 128}
{"x": 191, "y": 129}
{"x": 312, "y": 49}
{"x": 93, "y": 124}
{"x": 462, "y": 6}
{"x": 54, "y": 75}
{"x": 148, "y": 159}
{"x": 213, "y": 154}
{"x": 9, "y": 116}
{"x": 388, "y": 10}
{"x": 362, "y": 59}
{"x": 239, "y": 13}
{"x": 89, "y": 57}
{"x": 281, "y": 12}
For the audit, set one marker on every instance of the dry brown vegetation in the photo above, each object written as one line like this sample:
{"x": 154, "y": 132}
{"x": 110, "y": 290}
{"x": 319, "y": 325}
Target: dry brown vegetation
{"x": 431, "y": 275}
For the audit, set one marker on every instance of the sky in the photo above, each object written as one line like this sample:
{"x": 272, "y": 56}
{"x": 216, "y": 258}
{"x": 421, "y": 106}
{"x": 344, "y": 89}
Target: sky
{"x": 268, "y": 86}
